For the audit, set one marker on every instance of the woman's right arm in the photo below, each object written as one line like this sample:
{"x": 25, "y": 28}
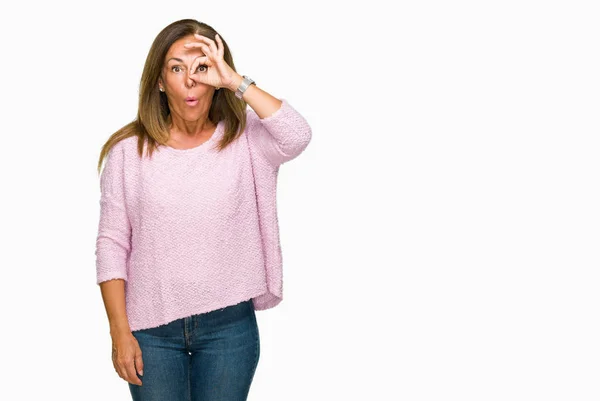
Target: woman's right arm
{"x": 113, "y": 246}
{"x": 126, "y": 352}
{"x": 113, "y": 243}
{"x": 113, "y": 296}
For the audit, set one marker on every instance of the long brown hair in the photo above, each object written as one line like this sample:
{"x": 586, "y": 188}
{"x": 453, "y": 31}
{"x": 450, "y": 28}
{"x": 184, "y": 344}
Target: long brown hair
{"x": 150, "y": 126}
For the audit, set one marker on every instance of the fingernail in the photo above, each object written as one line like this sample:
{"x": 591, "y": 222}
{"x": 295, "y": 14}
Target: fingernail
{"x": 141, "y": 373}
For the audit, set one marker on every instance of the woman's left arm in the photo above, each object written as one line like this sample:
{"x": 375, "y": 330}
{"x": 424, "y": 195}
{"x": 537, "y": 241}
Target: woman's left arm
{"x": 263, "y": 103}
{"x": 282, "y": 133}
{"x": 276, "y": 128}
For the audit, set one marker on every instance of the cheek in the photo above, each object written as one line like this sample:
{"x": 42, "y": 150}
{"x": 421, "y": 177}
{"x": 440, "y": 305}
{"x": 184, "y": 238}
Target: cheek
{"x": 174, "y": 79}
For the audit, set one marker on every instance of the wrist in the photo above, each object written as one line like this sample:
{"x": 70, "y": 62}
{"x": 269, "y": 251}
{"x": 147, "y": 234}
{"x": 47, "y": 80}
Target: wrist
{"x": 235, "y": 83}
{"x": 119, "y": 328}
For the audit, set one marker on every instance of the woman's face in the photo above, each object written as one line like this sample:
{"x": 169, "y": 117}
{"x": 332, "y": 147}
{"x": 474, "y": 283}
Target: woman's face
{"x": 188, "y": 98}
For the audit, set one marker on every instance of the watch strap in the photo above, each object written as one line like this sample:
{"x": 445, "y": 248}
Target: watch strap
{"x": 246, "y": 82}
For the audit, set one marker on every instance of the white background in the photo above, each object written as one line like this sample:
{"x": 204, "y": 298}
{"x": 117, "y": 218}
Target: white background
{"x": 439, "y": 234}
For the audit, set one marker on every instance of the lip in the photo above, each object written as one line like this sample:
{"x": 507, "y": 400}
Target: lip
{"x": 191, "y": 101}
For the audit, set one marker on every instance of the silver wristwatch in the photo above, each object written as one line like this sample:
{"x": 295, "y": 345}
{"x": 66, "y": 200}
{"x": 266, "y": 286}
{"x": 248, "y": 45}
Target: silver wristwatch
{"x": 246, "y": 82}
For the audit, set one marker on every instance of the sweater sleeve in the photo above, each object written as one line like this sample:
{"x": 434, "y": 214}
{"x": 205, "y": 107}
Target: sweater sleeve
{"x": 280, "y": 137}
{"x": 113, "y": 242}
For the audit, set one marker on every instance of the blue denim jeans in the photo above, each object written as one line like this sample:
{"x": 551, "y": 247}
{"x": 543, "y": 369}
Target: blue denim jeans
{"x": 206, "y": 357}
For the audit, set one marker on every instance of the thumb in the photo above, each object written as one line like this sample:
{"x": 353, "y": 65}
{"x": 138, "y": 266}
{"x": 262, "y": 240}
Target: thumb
{"x": 139, "y": 363}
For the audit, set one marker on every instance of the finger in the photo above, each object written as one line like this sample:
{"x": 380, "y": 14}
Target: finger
{"x": 197, "y": 62}
{"x": 194, "y": 67}
{"x": 123, "y": 374}
{"x": 205, "y": 49}
{"x": 118, "y": 368}
{"x": 220, "y": 46}
{"x": 139, "y": 363}
{"x": 210, "y": 42}
{"x": 129, "y": 373}
{"x": 130, "y": 370}
{"x": 191, "y": 45}
{"x": 121, "y": 371}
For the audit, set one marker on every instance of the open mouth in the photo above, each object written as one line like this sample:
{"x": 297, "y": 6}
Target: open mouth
{"x": 191, "y": 101}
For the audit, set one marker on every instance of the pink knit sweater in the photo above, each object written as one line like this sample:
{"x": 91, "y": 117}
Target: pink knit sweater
{"x": 195, "y": 230}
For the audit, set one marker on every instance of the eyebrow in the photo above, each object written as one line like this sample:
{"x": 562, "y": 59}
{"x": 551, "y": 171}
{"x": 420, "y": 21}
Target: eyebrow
{"x": 180, "y": 60}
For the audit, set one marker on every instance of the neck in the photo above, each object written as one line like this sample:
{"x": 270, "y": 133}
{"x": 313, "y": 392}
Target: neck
{"x": 189, "y": 128}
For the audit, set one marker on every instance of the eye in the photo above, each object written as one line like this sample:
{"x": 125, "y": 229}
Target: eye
{"x": 202, "y": 65}
{"x": 175, "y": 66}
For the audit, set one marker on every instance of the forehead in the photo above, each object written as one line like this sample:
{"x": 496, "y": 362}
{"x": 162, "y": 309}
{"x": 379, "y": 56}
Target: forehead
{"x": 177, "y": 50}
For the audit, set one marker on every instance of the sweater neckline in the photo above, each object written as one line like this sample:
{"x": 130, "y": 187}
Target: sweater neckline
{"x": 200, "y": 147}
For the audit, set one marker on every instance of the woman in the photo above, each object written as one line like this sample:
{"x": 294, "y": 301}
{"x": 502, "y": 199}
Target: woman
{"x": 188, "y": 240}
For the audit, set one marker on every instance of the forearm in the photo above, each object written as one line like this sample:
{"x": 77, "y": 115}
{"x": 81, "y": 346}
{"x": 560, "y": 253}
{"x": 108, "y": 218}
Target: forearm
{"x": 113, "y": 295}
{"x": 263, "y": 103}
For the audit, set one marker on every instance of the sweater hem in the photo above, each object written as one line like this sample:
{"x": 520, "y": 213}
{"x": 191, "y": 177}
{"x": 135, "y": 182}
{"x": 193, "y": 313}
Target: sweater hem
{"x": 210, "y": 308}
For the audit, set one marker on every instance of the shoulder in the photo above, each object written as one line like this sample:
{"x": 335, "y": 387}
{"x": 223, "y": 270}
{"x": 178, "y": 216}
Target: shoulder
{"x": 122, "y": 152}
{"x": 125, "y": 146}
{"x": 128, "y": 143}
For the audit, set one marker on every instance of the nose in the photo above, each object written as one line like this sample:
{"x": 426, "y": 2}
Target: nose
{"x": 189, "y": 82}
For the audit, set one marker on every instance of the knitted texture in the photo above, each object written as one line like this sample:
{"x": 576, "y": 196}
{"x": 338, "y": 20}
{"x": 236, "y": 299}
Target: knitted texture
{"x": 195, "y": 230}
